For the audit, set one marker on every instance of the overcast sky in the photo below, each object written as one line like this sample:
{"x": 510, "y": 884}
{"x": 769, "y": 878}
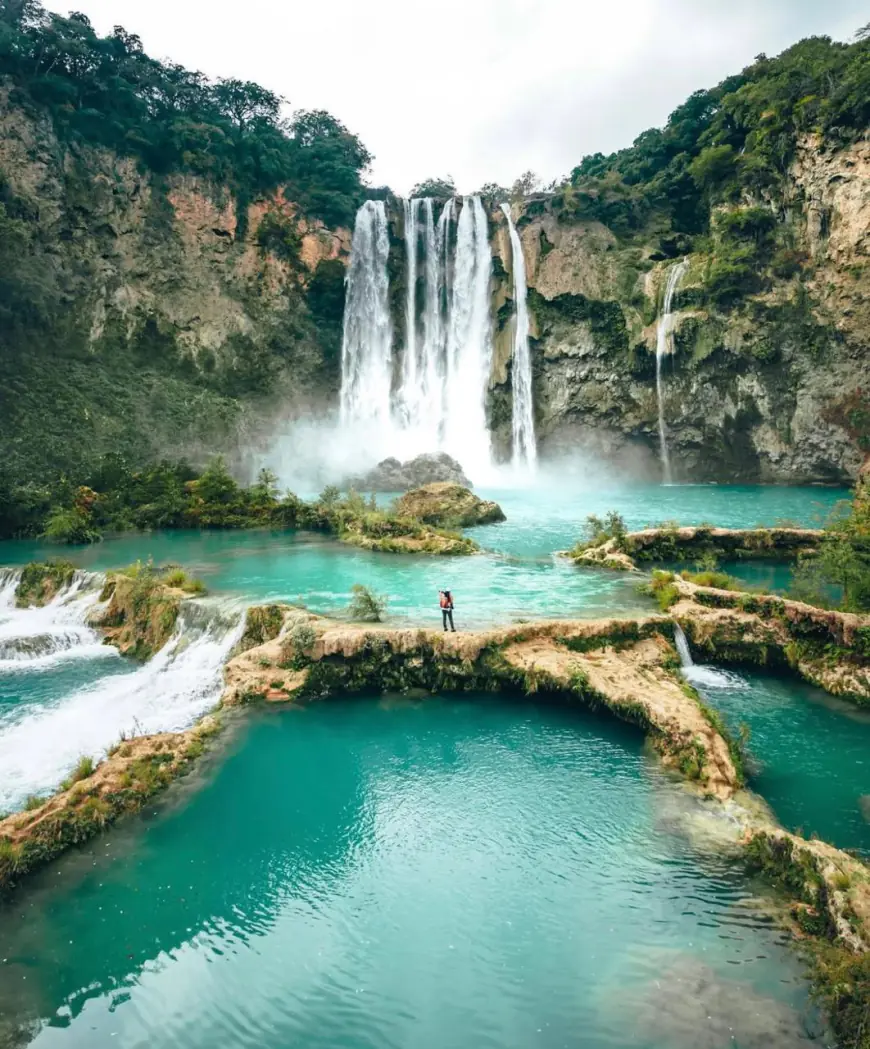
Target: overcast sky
{"x": 478, "y": 89}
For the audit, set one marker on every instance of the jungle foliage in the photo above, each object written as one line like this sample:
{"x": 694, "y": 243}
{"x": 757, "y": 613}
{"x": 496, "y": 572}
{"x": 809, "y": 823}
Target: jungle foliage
{"x": 733, "y": 139}
{"x": 839, "y": 575}
{"x": 170, "y": 495}
{"x": 107, "y": 91}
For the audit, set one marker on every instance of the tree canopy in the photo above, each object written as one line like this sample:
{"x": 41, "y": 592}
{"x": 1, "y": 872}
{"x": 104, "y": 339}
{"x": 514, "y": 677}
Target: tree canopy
{"x": 107, "y": 91}
{"x": 740, "y": 135}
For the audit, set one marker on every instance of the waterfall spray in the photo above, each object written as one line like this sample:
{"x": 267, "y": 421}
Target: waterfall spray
{"x": 524, "y": 449}
{"x": 664, "y": 344}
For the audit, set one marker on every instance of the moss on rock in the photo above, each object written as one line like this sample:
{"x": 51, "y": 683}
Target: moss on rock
{"x": 448, "y": 505}
{"x": 42, "y": 581}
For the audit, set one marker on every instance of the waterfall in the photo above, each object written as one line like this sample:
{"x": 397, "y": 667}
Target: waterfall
{"x": 44, "y": 733}
{"x": 664, "y": 344}
{"x": 683, "y": 649}
{"x": 524, "y": 449}
{"x": 409, "y": 397}
{"x": 366, "y": 349}
{"x": 469, "y": 340}
{"x": 40, "y": 637}
{"x": 702, "y": 676}
{"x": 446, "y": 360}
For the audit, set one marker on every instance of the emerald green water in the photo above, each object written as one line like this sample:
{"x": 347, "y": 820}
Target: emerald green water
{"x": 810, "y": 752}
{"x": 377, "y": 873}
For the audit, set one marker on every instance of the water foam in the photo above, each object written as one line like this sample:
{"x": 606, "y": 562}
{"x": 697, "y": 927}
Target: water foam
{"x": 41, "y": 741}
{"x": 58, "y": 630}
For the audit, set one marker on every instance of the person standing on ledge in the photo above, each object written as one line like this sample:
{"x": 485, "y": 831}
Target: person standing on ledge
{"x": 447, "y": 609}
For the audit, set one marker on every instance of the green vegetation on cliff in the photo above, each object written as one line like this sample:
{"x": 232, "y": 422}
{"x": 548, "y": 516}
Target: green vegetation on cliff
{"x": 737, "y": 137}
{"x": 138, "y": 313}
{"x": 107, "y": 91}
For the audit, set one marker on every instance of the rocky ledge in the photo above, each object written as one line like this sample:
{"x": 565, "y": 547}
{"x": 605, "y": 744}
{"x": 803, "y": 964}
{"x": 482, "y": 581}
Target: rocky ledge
{"x": 628, "y": 667}
{"x": 390, "y": 475}
{"x": 448, "y": 505}
{"x": 688, "y": 544}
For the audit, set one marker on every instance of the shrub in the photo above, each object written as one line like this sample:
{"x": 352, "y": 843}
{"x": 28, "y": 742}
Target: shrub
{"x": 83, "y": 769}
{"x": 663, "y": 589}
{"x": 365, "y": 605}
{"x": 599, "y": 530}
{"x": 296, "y": 645}
{"x": 70, "y": 526}
{"x": 717, "y": 580}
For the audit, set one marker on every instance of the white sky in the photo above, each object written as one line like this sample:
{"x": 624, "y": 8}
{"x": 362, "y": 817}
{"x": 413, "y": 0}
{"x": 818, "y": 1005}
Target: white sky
{"x": 478, "y": 89}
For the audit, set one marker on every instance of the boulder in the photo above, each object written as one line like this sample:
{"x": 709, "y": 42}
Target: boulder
{"x": 448, "y": 505}
{"x": 392, "y": 476}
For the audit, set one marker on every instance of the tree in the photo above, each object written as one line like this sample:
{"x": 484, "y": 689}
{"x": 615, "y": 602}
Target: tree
{"x": 439, "y": 188}
{"x": 525, "y": 185}
{"x": 245, "y": 102}
{"x": 493, "y": 191}
{"x": 713, "y": 167}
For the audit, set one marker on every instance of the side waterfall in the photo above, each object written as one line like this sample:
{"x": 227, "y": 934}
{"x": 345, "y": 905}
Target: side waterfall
{"x": 430, "y": 394}
{"x": 49, "y": 727}
{"x": 682, "y": 643}
{"x": 702, "y": 676}
{"x": 524, "y": 448}
{"x": 664, "y": 344}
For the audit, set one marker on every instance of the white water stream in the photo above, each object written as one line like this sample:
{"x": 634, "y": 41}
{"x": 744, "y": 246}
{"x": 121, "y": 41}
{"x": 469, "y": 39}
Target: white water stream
{"x": 44, "y": 731}
{"x": 700, "y": 675}
{"x": 430, "y": 393}
{"x": 523, "y": 445}
{"x": 665, "y": 345}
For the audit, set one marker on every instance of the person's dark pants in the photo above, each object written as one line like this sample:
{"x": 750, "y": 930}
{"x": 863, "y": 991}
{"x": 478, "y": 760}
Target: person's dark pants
{"x": 447, "y": 613}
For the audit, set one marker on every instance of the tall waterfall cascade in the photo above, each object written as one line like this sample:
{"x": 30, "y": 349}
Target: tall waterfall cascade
{"x": 664, "y": 345}
{"x": 429, "y": 393}
{"x": 523, "y": 444}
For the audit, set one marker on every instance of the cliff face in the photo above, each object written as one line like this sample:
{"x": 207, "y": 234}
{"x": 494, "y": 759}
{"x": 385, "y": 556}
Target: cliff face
{"x": 768, "y": 386}
{"x": 150, "y": 320}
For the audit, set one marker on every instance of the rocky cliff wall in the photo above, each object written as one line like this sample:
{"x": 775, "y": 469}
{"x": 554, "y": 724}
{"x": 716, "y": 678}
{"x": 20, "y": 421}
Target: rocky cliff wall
{"x": 771, "y": 385}
{"x": 148, "y": 318}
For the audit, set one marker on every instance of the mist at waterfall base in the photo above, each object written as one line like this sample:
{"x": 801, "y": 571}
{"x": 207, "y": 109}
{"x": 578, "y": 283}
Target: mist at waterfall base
{"x": 424, "y": 389}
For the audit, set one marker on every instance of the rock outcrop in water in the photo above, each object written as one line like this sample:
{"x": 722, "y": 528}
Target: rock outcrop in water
{"x": 691, "y": 543}
{"x": 390, "y": 475}
{"x": 448, "y": 505}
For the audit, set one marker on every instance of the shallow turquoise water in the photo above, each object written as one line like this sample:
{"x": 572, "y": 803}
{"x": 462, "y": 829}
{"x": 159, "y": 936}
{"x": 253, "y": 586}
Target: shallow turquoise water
{"x": 539, "y": 521}
{"x": 519, "y": 578}
{"x": 390, "y": 874}
{"x": 810, "y": 753}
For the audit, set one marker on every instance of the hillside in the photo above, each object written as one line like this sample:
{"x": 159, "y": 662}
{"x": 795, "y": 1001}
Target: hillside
{"x": 170, "y": 256}
{"x": 763, "y": 184}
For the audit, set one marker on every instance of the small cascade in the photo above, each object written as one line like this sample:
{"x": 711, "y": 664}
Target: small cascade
{"x": 524, "y": 448}
{"x": 664, "y": 344}
{"x": 702, "y": 676}
{"x": 443, "y": 368}
{"x": 39, "y": 637}
{"x": 367, "y": 340}
{"x": 40, "y": 740}
{"x": 682, "y": 643}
